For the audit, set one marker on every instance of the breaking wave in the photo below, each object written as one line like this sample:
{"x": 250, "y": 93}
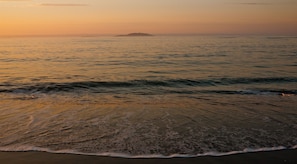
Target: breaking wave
{"x": 110, "y": 154}
{"x": 174, "y": 85}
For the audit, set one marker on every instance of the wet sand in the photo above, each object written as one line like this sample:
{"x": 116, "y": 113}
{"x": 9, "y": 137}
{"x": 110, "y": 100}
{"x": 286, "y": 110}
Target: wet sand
{"x": 282, "y": 156}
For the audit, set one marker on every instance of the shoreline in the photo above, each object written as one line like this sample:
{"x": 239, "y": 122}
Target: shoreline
{"x": 277, "y": 156}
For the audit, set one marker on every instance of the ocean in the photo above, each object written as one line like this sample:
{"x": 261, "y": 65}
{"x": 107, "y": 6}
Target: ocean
{"x": 159, "y": 96}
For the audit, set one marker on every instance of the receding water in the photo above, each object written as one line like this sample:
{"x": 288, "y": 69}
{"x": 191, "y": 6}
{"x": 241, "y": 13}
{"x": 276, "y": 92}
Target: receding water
{"x": 146, "y": 96}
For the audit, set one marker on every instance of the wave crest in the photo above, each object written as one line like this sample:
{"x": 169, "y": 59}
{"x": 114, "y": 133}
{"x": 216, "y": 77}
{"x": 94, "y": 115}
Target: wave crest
{"x": 173, "y": 84}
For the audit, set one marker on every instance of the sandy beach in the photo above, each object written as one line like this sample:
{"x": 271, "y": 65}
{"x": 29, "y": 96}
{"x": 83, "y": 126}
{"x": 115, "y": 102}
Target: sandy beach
{"x": 282, "y": 156}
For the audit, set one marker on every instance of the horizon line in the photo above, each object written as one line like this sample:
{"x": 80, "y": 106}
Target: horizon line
{"x": 154, "y": 34}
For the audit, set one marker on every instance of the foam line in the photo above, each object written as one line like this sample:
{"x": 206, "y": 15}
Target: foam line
{"x": 120, "y": 155}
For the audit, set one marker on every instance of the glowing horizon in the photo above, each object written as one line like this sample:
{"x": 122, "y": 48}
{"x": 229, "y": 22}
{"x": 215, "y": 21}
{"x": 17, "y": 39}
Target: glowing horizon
{"x": 90, "y": 17}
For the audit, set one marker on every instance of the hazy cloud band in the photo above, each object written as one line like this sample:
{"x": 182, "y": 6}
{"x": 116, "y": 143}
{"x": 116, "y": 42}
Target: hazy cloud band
{"x": 63, "y": 4}
{"x": 14, "y": 0}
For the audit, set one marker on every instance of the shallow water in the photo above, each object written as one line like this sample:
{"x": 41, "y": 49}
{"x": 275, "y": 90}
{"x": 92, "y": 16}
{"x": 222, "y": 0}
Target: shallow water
{"x": 160, "y": 95}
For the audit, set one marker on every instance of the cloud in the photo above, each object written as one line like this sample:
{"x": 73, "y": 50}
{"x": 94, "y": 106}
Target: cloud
{"x": 14, "y": 0}
{"x": 250, "y": 3}
{"x": 62, "y": 4}
{"x": 254, "y": 3}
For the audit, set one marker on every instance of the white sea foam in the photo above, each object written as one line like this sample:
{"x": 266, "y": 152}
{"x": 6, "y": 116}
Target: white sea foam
{"x": 122, "y": 155}
{"x": 31, "y": 120}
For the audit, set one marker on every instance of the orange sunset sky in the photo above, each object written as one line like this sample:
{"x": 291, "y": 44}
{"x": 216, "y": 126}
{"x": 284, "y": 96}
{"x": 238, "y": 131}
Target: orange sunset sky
{"x": 67, "y": 17}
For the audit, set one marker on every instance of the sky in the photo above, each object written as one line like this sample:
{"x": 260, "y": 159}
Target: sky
{"x": 88, "y": 17}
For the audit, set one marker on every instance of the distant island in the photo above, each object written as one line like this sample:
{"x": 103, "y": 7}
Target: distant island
{"x": 137, "y": 34}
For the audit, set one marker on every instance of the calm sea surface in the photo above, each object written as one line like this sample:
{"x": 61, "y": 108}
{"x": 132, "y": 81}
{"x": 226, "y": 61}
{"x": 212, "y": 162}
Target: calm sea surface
{"x": 148, "y": 96}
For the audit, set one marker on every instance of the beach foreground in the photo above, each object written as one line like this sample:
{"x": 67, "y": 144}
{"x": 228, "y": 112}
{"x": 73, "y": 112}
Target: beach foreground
{"x": 282, "y": 156}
